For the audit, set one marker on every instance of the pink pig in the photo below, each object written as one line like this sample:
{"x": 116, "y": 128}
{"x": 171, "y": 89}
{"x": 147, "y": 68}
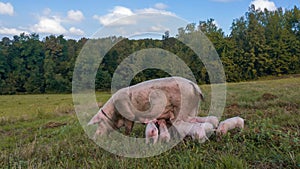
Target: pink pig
{"x": 229, "y": 124}
{"x": 151, "y": 132}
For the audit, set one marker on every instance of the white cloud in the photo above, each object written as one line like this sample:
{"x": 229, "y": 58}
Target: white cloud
{"x": 156, "y": 11}
{"x": 76, "y": 31}
{"x": 115, "y": 14}
{"x": 160, "y": 6}
{"x": 76, "y": 16}
{"x": 56, "y": 24}
{"x": 11, "y": 31}
{"x": 264, "y": 4}
{"x": 50, "y": 25}
{"x": 6, "y": 9}
{"x": 120, "y": 12}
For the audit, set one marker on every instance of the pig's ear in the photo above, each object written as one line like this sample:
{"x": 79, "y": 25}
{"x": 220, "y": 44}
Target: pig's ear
{"x": 202, "y": 97}
{"x": 95, "y": 119}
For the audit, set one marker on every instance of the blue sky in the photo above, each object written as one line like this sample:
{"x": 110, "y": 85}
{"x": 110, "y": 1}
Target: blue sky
{"x": 78, "y": 18}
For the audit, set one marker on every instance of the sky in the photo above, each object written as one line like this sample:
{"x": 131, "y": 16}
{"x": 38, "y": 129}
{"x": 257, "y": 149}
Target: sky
{"x": 77, "y": 18}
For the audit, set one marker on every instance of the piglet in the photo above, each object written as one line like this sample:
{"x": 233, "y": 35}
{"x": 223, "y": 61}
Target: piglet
{"x": 164, "y": 135}
{"x": 210, "y": 119}
{"x": 200, "y": 131}
{"x": 151, "y": 132}
{"x": 229, "y": 124}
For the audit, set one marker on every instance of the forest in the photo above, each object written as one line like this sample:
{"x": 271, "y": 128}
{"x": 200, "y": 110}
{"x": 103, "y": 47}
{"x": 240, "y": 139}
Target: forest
{"x": 260, "y": 44}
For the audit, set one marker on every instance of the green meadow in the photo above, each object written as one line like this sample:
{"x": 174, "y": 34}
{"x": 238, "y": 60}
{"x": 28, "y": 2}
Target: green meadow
{"x": 42, "y": 131}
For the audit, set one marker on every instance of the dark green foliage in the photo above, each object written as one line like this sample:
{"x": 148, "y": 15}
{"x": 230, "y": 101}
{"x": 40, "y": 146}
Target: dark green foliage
{"x": 261, "y": 43}
{"x": 265, "y": 43}
{"x": 28, "y": 65}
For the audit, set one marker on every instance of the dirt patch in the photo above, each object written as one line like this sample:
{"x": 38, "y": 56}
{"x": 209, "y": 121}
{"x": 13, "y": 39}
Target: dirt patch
{"x": 268, "y": 96}
{"x": 293, "y": 107}
{"x": 232, "y": 110}
{"x": 233, "y": 106}
{"x": 54, "y": 124}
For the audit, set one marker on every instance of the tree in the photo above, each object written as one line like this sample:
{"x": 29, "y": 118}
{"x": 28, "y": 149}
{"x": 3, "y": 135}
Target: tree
{"x": 166, "y": 35}
{"x": 54, "y": 72}
{"x": 33, "y": 51}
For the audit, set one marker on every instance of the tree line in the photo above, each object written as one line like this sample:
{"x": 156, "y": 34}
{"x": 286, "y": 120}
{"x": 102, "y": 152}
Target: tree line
{"x": 261, "y": 43}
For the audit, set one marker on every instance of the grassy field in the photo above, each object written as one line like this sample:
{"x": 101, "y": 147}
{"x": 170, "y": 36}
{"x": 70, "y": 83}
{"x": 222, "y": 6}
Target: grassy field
{"x": 42, "y": 131}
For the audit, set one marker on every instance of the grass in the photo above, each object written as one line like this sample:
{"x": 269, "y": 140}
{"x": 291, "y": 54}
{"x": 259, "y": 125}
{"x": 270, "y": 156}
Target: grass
{"x": 42, "y": 131}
